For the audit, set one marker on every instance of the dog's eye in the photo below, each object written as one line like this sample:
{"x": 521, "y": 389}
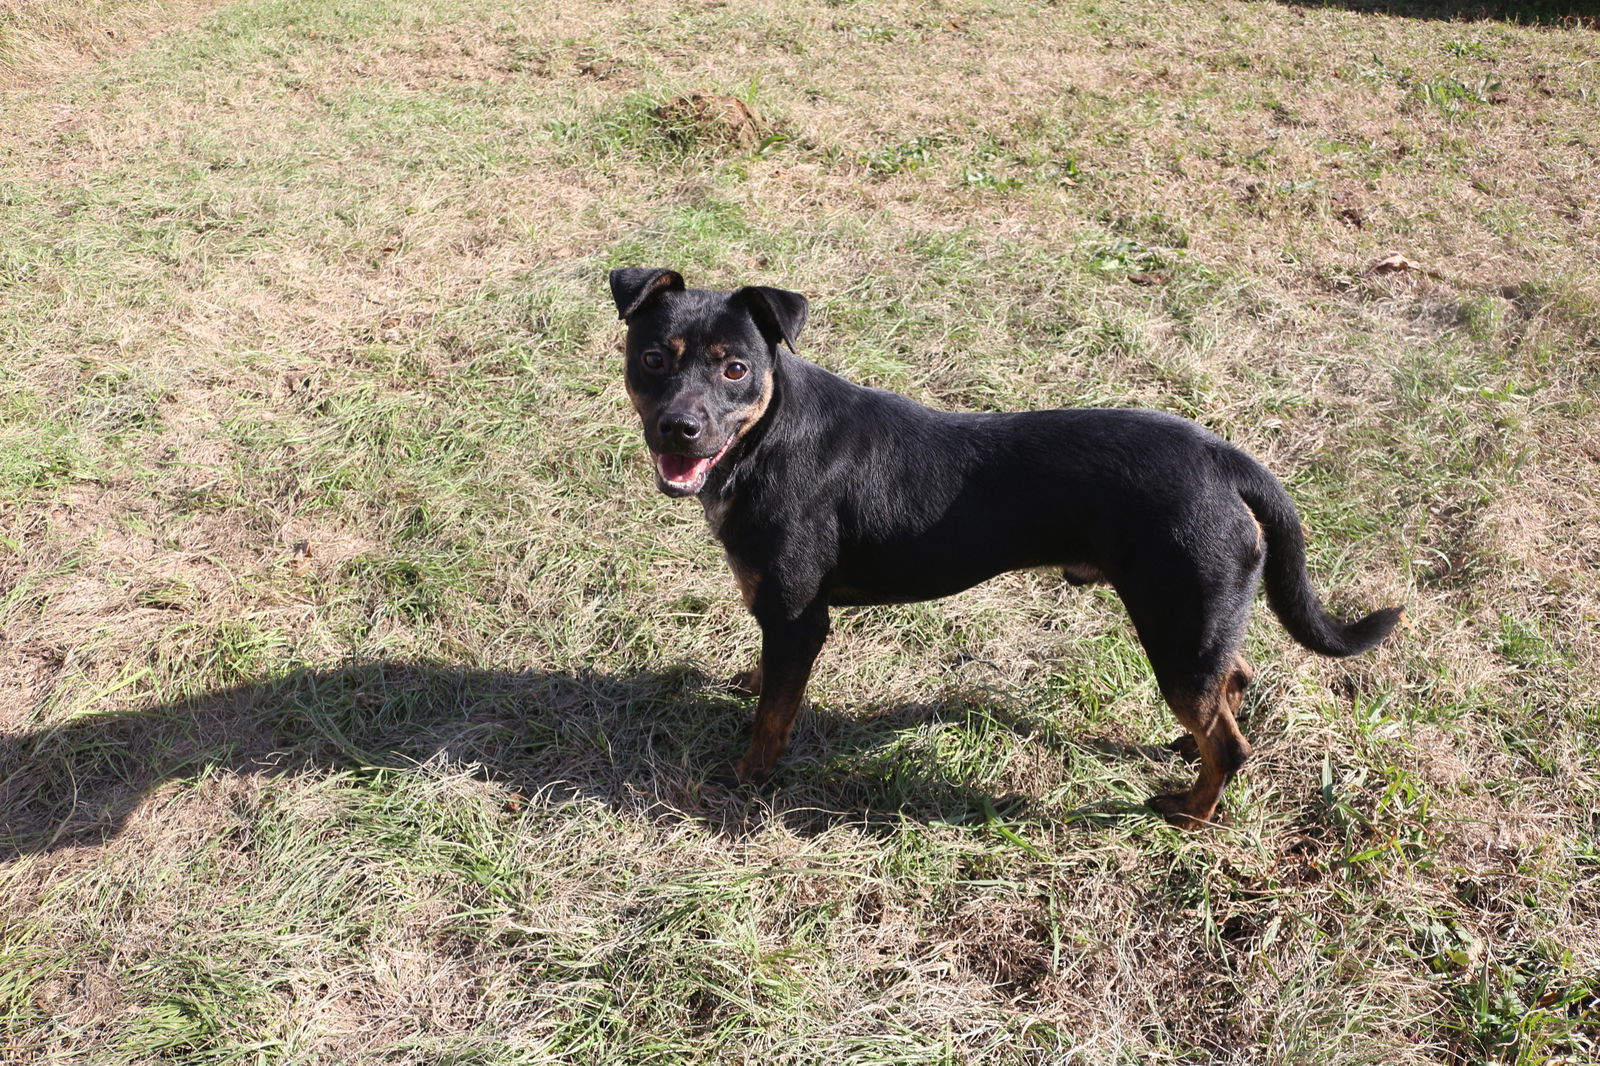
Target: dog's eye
{"x": 653, "y": 360}
{"x": 734, "y": 371}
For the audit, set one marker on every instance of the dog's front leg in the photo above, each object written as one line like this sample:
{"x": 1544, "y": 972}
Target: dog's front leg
{"x": 788, "y": 649}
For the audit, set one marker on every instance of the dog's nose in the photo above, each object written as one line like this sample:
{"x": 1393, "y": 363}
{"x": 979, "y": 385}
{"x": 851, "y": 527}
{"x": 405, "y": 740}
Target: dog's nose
{"x": 681, "y": 425}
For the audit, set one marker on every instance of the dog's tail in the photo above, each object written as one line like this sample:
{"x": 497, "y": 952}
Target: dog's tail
{"x": 1289, "y": 588}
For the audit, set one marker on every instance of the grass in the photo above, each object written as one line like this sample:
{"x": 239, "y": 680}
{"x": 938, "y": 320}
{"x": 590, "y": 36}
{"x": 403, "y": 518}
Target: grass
{"x": 41, "y": 39}
{"x": 361, "y": 694}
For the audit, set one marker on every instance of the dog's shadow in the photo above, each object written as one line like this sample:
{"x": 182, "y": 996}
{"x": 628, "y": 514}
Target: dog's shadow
{"x": 650, "y": 744}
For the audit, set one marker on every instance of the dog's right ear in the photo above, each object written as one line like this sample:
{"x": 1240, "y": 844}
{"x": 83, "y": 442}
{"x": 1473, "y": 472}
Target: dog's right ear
{"x": 633, "y": 287}
{"x": 780, "y": 315}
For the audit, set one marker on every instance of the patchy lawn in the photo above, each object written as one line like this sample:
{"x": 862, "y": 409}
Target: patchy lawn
{"x": 360, "y": 692}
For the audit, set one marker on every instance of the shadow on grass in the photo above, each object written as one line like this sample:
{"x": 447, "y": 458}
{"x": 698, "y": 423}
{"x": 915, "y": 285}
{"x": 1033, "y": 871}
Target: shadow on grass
{"x": 1564, "y": 13}
{"x": 643, "y": 743}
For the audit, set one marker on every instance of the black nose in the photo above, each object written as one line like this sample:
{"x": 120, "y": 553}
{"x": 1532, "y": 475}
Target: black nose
{"x": 680, "y": 425}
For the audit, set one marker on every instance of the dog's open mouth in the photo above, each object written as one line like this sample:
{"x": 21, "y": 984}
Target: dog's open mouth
{"x": 685, "y": 475}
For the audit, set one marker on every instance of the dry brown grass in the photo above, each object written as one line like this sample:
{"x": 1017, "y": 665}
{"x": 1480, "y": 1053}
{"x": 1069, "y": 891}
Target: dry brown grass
{"x": 43, "y": 39}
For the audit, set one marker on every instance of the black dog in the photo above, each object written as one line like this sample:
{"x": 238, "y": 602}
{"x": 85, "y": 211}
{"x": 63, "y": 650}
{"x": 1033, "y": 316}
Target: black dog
{"x": 826, "y": 493}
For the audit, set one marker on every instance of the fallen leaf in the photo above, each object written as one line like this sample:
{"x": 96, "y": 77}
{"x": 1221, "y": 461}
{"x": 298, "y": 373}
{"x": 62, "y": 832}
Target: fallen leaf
{"x": 1389, "y": 264}
{"x": 1149, "y": 279}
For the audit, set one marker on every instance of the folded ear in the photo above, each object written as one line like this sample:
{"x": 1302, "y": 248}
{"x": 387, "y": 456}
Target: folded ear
{"x": 780, "y": 314}
{"x": 633, "y": 287}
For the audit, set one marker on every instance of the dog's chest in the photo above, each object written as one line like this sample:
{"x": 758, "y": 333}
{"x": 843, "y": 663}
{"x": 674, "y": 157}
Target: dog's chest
{"x": 716, "y": 506}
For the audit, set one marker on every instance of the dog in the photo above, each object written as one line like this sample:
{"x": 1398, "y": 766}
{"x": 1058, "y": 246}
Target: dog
{"x": 827, "y": 494}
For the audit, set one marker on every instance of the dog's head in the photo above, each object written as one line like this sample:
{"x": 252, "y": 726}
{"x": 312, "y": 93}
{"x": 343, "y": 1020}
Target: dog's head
{"x": 701, "y": 366}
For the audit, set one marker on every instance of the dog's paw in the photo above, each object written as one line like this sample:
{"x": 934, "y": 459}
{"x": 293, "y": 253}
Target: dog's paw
{"x": 1175, "y": 808}
{"x": 1186, "y": 746}
{"x": 746, "y": 682}
{"x": 726, "y": 776}
{"x": 736, "y": 778}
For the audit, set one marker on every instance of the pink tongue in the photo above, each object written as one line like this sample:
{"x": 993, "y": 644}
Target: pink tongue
{"x": 681, "y": 468}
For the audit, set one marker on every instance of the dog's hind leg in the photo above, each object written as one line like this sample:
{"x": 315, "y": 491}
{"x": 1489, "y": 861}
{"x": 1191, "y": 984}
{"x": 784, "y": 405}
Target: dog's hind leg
{"x": 1209, "y": 715}
{"x": 1184, "y": 743}
{"x": 1189, "y": 600}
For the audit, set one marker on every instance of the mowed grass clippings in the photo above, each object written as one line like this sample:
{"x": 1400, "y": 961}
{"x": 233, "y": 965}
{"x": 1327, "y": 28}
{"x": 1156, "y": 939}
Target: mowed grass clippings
{"x": 360, "y": 692}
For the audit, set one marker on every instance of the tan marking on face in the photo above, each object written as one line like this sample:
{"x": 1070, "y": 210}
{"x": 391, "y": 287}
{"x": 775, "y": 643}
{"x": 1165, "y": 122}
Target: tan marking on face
{"x": 678, "y": 345}
{"x": 749, "y": 581}
{"x": 752, "y": 414}
{"x": 716, "y": 351}
{"x": 640, "y": 403}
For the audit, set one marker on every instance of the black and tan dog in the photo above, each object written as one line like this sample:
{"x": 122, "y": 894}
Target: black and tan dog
{"x": 825, "y": 493}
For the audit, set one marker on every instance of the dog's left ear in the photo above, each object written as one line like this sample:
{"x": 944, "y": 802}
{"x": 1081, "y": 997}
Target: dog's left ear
{"x": 780, "y": 314}
{"x": 633, "y": 287}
